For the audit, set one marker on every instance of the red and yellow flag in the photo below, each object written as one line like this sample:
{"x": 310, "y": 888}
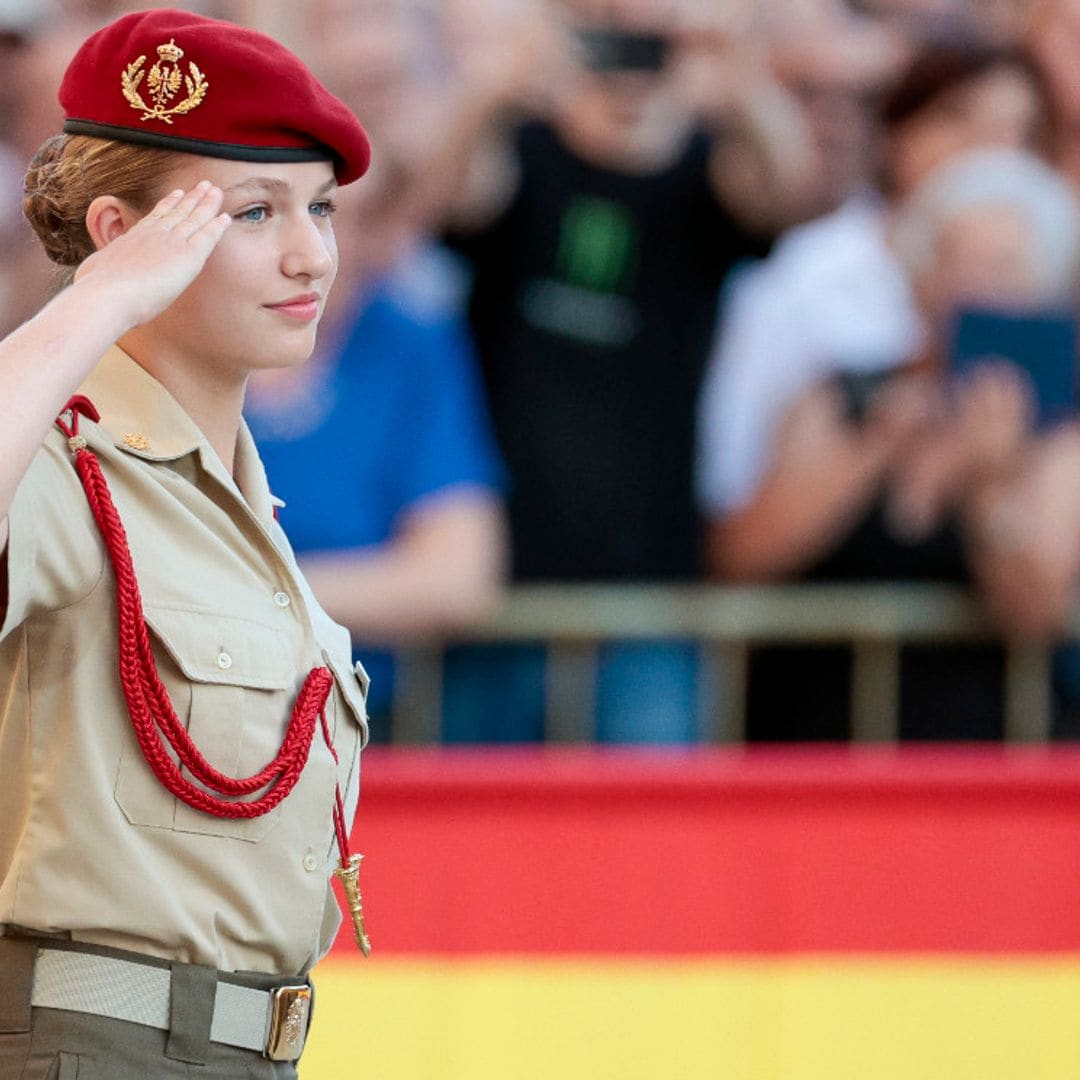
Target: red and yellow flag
{"x": 799, "y": 914}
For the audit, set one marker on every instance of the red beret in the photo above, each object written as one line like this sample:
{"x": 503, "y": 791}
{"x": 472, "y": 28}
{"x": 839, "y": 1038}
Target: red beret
{"x": 178, "y": 81}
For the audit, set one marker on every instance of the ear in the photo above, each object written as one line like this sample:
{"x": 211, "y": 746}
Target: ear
{"x": 107, "y": 218}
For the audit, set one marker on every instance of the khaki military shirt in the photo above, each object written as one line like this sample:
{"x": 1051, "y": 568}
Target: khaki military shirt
{"x": 90, "y": 841}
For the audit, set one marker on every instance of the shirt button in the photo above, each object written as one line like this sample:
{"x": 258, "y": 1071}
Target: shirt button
{"x": 281, "y": 599}
{"x": 311, "y": 863}
{"x": 224, "y": 660}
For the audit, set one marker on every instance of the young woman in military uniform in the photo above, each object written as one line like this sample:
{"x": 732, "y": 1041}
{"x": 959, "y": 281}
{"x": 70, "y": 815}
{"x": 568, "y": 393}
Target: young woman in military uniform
{"x": 180, "y": 724}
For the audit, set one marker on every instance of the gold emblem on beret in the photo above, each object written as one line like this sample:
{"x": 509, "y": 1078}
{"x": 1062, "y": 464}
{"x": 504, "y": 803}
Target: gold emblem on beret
{"x": 163, "y": 81}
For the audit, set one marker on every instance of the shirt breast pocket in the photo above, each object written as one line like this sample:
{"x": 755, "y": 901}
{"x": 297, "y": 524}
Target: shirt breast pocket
{"x": 232, "y": 683}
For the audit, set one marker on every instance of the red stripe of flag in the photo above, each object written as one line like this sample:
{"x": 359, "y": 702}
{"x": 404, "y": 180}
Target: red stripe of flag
{"x": 718, "y": 852}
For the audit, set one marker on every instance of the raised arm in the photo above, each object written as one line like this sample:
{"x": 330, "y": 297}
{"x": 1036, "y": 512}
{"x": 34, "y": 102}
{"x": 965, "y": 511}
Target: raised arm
{"x": 822, "y": 475}
{"x": 1021, "y": 508}
{"x": 513, "y": 67}
{"x": 764, "y": 165}
{"x": 140, "y": 268}
{"x": 1024, "y": 533}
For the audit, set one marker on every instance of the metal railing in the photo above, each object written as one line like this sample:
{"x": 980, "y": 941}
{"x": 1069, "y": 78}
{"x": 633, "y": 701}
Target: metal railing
{"x": 876, "y": 620}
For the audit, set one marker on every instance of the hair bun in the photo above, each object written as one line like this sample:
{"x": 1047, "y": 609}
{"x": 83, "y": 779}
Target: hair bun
{"x": 49, "y": 204}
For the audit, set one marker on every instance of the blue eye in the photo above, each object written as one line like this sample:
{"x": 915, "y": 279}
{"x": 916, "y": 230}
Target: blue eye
{"x": 253, "y": 215}
{"x": 324, "y": 209}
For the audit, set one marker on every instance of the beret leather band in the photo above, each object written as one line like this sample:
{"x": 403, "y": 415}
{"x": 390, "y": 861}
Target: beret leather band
{"x": 161, "y": 141}
{"x": 178, "y": 81}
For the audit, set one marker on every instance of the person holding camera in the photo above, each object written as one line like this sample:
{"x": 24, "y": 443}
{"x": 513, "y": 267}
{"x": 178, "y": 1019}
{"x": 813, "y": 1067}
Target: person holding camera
{"x": 785, "y": 475}
{"x": 613, "y": 163}
{"x": 901, "y": 473}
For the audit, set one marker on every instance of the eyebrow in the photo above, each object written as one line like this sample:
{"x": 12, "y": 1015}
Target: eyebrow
{"x": 275, "y": 185}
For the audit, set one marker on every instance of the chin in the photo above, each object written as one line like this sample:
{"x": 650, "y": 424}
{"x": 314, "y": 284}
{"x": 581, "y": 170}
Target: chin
{"x": 290, "y": 354}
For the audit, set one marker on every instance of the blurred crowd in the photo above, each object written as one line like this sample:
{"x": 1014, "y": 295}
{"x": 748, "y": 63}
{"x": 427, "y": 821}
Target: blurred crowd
{"x": 671, "y": 290}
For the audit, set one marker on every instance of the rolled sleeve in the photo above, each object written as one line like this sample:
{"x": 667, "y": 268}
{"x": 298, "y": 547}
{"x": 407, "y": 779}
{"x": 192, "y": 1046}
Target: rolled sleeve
{"x": 53, "y": 557}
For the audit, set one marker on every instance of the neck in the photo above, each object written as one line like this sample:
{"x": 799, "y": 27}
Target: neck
{"x": 212, "y": 397}
{"x": 645, "y": 148}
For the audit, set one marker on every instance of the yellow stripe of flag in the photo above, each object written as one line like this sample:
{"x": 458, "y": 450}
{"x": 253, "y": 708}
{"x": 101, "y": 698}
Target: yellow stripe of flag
{"x": 795, "y": 1018}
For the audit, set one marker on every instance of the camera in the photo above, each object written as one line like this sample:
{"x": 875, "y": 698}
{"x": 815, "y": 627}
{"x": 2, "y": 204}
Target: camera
{"x": 859, "y": 389}
{"x": 607, "y": 49}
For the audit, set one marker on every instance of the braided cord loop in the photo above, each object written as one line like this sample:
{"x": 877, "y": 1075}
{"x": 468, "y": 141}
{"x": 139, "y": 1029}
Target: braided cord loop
{"x": 152, "y": 714}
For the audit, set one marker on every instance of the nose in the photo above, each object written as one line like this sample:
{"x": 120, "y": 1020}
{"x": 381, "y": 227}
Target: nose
{"x": 309, "y": 250}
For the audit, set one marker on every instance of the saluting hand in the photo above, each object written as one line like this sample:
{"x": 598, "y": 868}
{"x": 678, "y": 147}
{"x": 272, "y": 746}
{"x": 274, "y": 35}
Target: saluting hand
{"x": 150, "y": 264}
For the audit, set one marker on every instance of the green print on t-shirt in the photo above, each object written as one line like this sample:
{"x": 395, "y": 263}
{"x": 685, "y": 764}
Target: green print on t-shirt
{"x": 598, "y": 246}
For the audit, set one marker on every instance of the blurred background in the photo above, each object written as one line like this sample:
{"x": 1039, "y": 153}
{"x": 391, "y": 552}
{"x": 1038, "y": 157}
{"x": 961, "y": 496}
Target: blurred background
{"x": 693, "y": 450}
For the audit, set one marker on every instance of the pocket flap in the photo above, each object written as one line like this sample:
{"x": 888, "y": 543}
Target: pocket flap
{"x": 363, "y": 678}
{"x": 352, "y": 683}
{"x": 212, "y": 648}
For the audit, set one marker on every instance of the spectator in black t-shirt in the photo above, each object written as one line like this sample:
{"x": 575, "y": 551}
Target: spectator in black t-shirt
{"x": 605, "y": 208}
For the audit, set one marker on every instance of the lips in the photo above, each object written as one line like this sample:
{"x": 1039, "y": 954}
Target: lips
{"x": 304, "y": 307}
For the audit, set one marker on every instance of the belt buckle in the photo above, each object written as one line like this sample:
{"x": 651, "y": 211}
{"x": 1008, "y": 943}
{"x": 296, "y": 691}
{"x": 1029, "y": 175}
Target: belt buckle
{"x": 290, "y": 1007}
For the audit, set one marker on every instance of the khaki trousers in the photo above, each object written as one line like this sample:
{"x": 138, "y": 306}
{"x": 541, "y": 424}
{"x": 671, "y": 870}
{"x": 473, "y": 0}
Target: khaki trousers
{"x": 53, "y": 1044}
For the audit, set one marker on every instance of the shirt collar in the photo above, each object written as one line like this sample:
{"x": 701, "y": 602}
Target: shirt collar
{"x": 138, "y": 413}
{"x": 251, "y": 476}
{"x": 144, "y": 420}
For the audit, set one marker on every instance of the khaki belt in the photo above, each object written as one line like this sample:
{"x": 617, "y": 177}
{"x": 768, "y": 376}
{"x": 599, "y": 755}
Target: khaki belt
{"x": 273, "y": 1022}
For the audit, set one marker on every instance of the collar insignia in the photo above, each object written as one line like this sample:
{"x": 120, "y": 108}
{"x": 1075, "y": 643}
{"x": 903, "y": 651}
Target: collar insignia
{"x": 163, "y": 82}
